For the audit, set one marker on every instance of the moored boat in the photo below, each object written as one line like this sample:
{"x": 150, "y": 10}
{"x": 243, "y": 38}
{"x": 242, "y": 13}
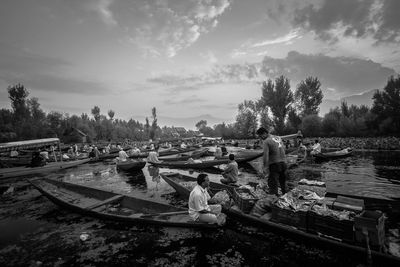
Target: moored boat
{"x": 185, "y": 156}
{"x": 205, "y": 163}
{"x": 181, "y": 184}
{"x": 112, "y": 206}
{"x": 14, "y": 173}
{"x": 131, "y": 165}
{"x": 334, "y": 154}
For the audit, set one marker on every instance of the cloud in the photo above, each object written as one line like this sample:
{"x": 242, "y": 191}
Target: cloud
{"x": 352, "y": 18}
{"x": 252, "y": 48}
{"x": 210, "y": 57}
{"x": 346, "y": 75}
{"x": 340, "y": 76}
{"x": 187, "y": 100}
{"x": 293, "y": 34}
{"x": 102, "y": 7}
{"x": 165, "y": 28}
{"x": 44, "y": 73}
{"x": 238, "y": 73}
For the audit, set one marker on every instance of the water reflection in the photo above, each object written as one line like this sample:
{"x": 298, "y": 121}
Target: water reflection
{"x": 375, "y": 174}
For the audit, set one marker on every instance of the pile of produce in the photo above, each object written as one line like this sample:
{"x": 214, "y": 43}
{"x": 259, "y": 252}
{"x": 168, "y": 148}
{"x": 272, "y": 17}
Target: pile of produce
{"x": 336, "y": 214}
{"x": 297, "y": 199}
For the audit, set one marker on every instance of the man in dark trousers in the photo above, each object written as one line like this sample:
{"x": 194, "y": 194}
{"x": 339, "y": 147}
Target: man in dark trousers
{"x": 274, "y": 161}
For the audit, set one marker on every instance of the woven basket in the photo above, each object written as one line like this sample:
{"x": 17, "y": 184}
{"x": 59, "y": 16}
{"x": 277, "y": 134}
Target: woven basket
{"x": 245, "y": 204}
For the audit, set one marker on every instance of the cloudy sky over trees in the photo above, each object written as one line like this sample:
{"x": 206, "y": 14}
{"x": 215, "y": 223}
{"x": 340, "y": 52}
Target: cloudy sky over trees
{"x": 191, "y": 57}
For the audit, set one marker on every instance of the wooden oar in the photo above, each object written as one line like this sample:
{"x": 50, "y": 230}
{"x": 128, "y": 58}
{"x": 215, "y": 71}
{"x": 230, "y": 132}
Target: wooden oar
{"x": 165, "y": 213}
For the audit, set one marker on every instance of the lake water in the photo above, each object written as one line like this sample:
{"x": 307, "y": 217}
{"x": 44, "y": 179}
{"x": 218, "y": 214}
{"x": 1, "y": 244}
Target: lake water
{"x": 40, "y": 233}
{"x": 373, "y": 174}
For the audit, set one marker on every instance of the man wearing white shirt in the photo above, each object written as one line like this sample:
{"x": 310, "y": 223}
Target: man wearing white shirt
{"x": 199, "y": 209}
{"x": 316, "y": 148}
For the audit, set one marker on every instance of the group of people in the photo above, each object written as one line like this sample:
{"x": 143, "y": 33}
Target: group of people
{"x": 274, "y": 167}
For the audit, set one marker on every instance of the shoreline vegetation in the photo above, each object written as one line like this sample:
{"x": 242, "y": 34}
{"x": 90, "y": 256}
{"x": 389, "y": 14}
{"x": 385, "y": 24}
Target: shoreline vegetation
{"x": 280, "y": 109}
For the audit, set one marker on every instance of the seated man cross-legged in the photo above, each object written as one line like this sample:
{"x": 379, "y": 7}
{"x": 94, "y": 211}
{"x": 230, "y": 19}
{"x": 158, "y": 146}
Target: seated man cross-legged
{"x": 231, "y": 172}
{"x": 199, "y": 209}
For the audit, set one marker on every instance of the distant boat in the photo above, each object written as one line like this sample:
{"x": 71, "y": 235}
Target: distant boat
{"x": 131, "y": 165}
{"x": 334, "y": 155}
{"x": 14, "y": 173}
{"x": 206, "y": 163}
{"x": 112, "y": 206}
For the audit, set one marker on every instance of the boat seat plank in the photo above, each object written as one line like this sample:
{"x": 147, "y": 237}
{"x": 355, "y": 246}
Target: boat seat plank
{"x": 106, "y": 201}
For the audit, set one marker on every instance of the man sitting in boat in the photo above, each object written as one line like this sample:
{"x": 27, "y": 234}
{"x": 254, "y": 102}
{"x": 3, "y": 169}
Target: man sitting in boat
{"x": 231, "y": 171}
{"x": 316, "y": 148}
{"x": 153, "y": 156}
{"x": 122, "y": 156}
{"x": 199, "y": 208}
{"x": 134, "y": 151}
{"x": 37, "y": 160}
{"x": 302, "y": 149}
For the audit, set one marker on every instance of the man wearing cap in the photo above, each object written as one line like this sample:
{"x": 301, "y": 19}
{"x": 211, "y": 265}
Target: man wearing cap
{"x": 274, "y": 161}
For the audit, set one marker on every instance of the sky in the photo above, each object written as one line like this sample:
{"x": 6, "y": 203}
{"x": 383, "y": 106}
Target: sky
{"x": 191, "y": 57}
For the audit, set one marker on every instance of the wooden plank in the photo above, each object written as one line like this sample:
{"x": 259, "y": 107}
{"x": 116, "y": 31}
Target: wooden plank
{"x": 104, "y": 202}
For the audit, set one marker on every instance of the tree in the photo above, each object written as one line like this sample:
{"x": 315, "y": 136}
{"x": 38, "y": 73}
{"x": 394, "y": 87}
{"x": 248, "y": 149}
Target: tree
{"x": 386, "y": 107}
{"x": 311, "y": 125}
{"x": 278, "y": 97}
{"x": 246, "y": 120}
{"x": 36, "y": 112}
{"x": 201, "y": 124}
{"x": 96, "y": 113}
{"x": 308, "y": 96}
{"x": 154, "y": 125}
{"x": 147, "y": 128}
{"x": 18, "y": 95}
{"x": 111, "y": 114}
{"x": 294, "y": 121}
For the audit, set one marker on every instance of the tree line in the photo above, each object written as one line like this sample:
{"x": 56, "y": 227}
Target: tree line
{"x": 278, "y": 108}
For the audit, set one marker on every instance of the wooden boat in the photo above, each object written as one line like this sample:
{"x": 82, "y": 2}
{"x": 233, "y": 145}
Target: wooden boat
{"x": 131, "y": 165}
{"x": 22, "y": 172}
{"x": 333, "y": 155}
{"x": 204, "y": 164}
{"x": 175, "y": 180}
{"x": 185, "y": 156}
{"x": 108, "y": 205}
{"x": 166, "y": 152}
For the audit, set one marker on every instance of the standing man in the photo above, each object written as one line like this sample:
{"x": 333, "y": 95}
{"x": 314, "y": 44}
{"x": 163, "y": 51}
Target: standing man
{"x": 199, "y": 210}
{"x": 231, "y": 171}
{"x": 274, "y": 161}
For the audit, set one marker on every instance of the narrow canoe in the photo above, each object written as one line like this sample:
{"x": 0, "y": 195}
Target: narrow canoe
{"x": 174, "y": 179}
{"x": 166, "y": 152}
{"x": 333, "y": 155}
{"x": 23, "y": 172}
{"x": 204, "y": 164}
{"x": 131, "y": 165}
{"x": 378, "y": 258}
{"x": 112, "y": 206}
{"x": 185, "y": 156}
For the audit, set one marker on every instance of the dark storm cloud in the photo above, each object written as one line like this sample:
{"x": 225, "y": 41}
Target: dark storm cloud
{"x": 346, "y": 75}
{"x": 39, "y": 72}
{"x": 360, "y": 18}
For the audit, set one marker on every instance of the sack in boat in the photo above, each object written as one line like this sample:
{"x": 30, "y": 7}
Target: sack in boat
{"x": 263, "y": 205}
{"x": 221, "y": 219}
{"x": 221, "y": 197}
